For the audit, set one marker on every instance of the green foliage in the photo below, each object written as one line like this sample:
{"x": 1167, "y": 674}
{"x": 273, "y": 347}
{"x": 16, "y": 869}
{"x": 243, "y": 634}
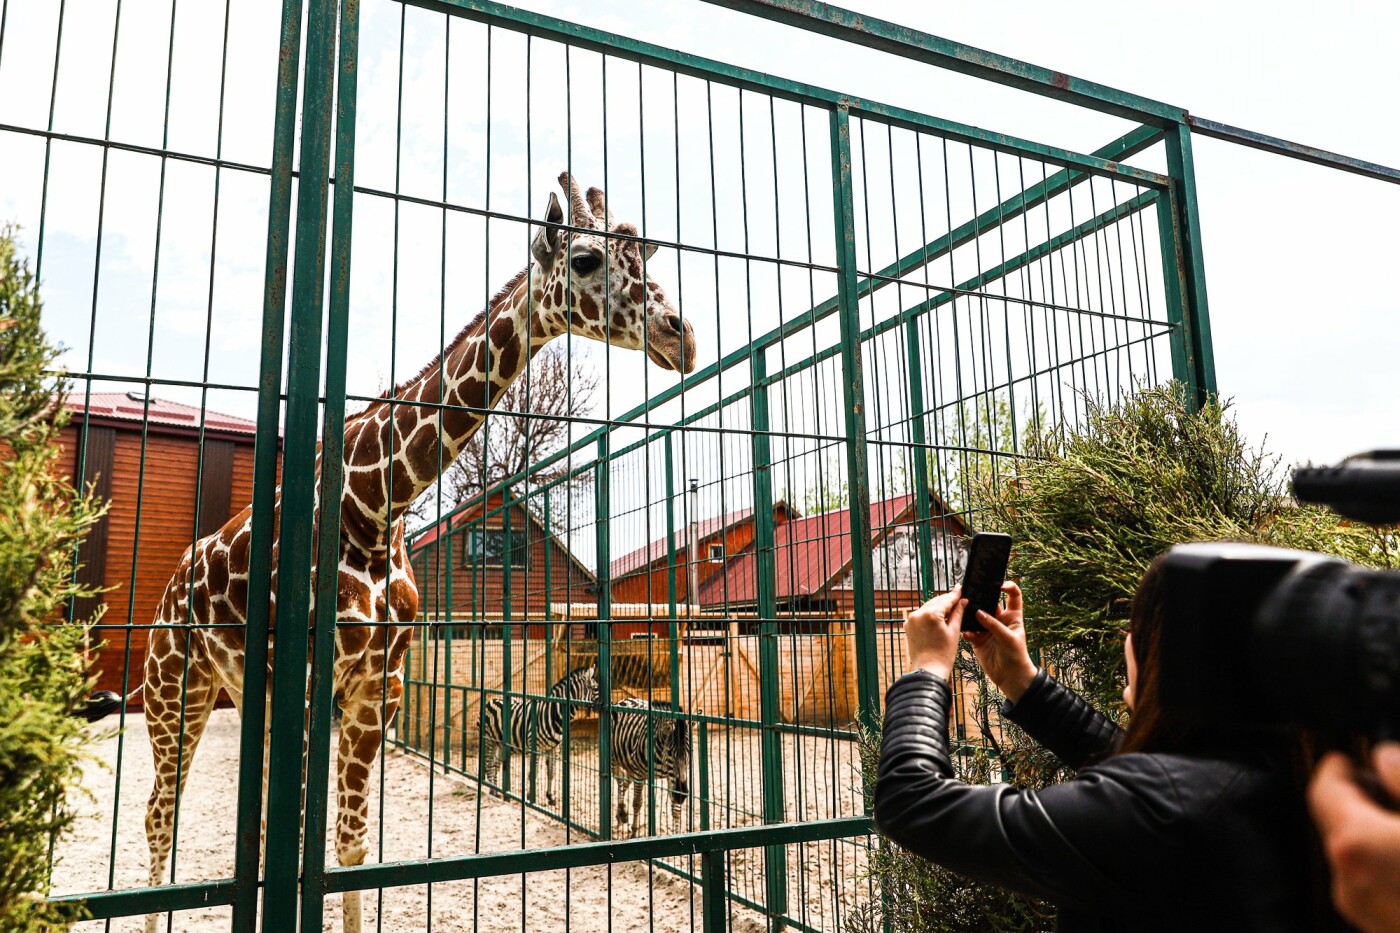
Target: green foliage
{"x": 42, "y": 665}
{"x": 981, "y": 441}
{"x": 1137, "y": 476}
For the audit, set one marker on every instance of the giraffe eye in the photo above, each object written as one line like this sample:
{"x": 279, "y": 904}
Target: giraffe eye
{"x": 584, "y": 263}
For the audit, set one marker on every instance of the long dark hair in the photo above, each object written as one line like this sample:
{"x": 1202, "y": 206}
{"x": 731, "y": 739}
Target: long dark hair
{"x": 1290, "y": 753}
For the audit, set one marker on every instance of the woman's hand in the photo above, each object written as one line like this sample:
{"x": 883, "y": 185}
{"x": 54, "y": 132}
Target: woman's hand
{"x": 932, "y": 633}
{"x": 1001, "y": 649}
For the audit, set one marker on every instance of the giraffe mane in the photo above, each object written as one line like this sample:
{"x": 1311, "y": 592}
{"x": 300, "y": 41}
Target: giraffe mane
{"x": 462, "y": 334}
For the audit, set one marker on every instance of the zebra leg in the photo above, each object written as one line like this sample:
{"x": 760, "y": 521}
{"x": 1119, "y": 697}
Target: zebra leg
{"x": 492, "y": 764}
{"x": 637, "y": 787}
{"x": 621, "y": 802}
{"x": 549, "y": 780}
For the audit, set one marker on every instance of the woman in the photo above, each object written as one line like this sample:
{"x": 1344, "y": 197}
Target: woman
{"x": 1171, "y": 825}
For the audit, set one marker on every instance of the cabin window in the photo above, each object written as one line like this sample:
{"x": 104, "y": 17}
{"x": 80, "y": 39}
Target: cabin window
{"x": 716, "y": 553}
{"x": 492, "y": 547}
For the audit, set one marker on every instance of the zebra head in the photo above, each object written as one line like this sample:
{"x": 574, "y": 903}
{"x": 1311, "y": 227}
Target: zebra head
{"x": 580, "y": 685}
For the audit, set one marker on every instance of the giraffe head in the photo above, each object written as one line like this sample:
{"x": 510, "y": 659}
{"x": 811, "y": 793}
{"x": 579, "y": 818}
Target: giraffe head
{"x": 595, "y": 285}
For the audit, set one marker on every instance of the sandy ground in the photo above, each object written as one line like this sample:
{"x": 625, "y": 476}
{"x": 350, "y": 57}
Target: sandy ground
{"x": 824, "y": 879}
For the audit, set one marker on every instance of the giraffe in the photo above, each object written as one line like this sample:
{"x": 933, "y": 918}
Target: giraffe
{"x": 578, "y": 281}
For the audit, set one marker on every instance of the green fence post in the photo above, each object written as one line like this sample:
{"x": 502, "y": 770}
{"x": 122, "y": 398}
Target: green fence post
{"x": 318, "y": 741}
{"x": 287, "y": 740}
{"x": 770, "y": 672}
{"x": 712, "y": 891}
{"x": 702, "y": 764}
{"x": 248, "y": 838}
{"x": 507, "y": 665}
{"x": 673, "y": 631}
{"x": 1184, "y": 271}
{"x": 603, "y": 499}
{"x": 858, "y": 479}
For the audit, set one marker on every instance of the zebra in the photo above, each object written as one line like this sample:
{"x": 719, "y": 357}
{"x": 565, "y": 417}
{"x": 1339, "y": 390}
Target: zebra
{"x": 540, "y": 720}
{"x": 631, "y": 760}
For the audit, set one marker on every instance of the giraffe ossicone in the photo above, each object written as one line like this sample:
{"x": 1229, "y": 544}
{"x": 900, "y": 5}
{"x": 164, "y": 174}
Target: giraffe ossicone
{"x": 586, "y": 276}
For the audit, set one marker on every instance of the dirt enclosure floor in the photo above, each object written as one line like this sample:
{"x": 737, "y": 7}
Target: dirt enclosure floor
{"x": 823, "y": 886}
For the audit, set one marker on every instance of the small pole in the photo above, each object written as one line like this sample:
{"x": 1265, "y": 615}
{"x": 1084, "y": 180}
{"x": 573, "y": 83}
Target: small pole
{"x": 692, "y": 598}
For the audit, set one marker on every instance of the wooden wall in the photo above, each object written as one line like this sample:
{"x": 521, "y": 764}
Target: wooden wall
{"x": 478, "y": 590}
{"x": 652, "y": 586}
{"x": 133, "y": 555}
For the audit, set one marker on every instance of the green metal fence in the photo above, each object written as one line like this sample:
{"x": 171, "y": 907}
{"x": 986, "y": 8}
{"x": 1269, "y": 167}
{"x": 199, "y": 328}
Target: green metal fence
{"x": 887, "y": 305}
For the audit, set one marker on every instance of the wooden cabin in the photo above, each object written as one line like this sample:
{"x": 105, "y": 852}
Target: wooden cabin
{"x": 486, "y": 563}
{"x": 172, "y": 474}
{"x": 812, "y": 563}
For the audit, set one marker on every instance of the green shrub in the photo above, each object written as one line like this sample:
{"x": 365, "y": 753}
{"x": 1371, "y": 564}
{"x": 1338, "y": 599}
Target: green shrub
{"x": 42, "y": 665}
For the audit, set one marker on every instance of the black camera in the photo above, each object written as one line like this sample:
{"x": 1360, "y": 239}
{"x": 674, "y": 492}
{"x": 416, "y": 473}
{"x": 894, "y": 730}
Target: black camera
{"x": 1259, "y": 636}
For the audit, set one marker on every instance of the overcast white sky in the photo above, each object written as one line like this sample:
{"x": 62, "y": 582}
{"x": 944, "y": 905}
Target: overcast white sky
{"x": 1300, "y": 260}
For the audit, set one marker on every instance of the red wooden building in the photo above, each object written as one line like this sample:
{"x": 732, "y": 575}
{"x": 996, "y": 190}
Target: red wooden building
{"x": 644, "y": 575}
{"x": 460, "y": 564}
{"x": 812, "y": 562}
{"x": 143, "y": 455}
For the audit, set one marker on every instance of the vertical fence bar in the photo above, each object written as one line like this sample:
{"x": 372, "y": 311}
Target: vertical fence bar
{"x": 295, "y": 544}
{"x": 318, "y": 738}
{"x": 770, "y": 680}
{"x": 604, "y": 630}
{"x": 673, "y": 633}
{"x": 248, "y": 839}
{"x": 919, "y": 435}
{"x": 1191, "y": 259}
{"x": 712, "y": 891}
{"x": 853, "y": 384}
{"x": 1184, "y": 368}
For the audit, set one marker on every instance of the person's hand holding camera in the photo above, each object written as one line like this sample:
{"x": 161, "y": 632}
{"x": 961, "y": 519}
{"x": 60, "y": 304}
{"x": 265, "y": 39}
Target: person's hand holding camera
{"x": 1001, "y": 649}
{"x": 931, "y": 632}
{"x": 1361, "y": 838}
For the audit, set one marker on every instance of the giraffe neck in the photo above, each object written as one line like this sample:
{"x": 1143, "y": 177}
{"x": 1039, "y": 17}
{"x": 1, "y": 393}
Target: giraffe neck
{"x": 392, "y": 451}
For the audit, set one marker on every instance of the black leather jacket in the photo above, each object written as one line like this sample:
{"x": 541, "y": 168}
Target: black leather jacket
{"x": 1138, "y": 842}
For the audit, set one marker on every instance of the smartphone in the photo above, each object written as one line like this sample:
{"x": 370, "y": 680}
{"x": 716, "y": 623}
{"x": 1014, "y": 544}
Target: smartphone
{"x": 982, "y": 577}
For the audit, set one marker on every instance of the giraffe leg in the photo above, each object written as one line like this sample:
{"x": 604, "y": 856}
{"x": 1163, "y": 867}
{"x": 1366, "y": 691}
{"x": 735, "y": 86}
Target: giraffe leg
{"x": 171, "y": 688}
{"x": 361, "y": 735}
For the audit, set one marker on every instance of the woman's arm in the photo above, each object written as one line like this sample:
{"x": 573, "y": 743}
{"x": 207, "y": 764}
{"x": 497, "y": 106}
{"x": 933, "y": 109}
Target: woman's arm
{"x": 1066, "y": 844}
{"x": 1052, "y": 715}
{"x": 1059, "y": 719}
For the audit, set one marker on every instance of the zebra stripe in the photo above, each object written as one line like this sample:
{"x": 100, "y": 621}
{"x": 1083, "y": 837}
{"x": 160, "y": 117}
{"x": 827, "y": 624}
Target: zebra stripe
{"x": 668, "y": 759}
{"x": 540, "y": 721}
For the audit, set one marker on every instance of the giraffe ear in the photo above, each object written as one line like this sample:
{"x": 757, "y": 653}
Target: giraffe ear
{"x": 546, "y": 242}
{"x": 648, "y": 250}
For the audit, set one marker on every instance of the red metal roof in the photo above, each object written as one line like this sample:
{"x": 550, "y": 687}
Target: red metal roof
{"x": 657, "y": 550}
{"x": 162, "y": 413}
{"x": 809, "y": 554}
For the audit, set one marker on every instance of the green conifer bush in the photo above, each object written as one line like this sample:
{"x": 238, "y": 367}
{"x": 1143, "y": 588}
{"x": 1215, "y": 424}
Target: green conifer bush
{"x": 43, "y": 661}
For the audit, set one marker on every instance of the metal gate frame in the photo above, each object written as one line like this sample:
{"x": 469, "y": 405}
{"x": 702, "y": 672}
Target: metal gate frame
{"x": 297, "y": 880}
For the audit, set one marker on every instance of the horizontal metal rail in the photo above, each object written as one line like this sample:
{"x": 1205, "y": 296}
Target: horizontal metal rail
{"x": 883, "y": 35}
{"x": 1284, "y": 147}
{"x": 556, "y": 858}
{"x": 106, "y": 905}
